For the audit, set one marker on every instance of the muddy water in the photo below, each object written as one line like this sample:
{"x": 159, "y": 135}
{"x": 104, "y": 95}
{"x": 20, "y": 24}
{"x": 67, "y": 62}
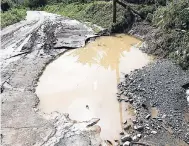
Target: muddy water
{"x": 83, "y": 82}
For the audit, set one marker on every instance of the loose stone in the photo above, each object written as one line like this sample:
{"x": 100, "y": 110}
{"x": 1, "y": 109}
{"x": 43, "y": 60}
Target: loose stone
{"x": 148, "y": 116}
{"x": 125, "y": 122}
{"x": 127, "y": 143}
{"x": 138, "y": 128}
{"x": 127, "y": 127}
{"x": 126, "y": 137}
{"x": 154, "y": 132}
{"x": 135, "y": 138}
{"x": 139, "y": 135}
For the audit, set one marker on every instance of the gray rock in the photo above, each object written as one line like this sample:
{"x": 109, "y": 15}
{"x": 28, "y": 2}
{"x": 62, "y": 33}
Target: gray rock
{"x": 154, "y": 132}
{"x": 148, "y": 116}
{"x": 135, "y": 138}
{"x": 138, "y": 128}
{"x": 139, "y": 135}
{"x": 126, "y": 137}
{"x": 127, "y": 127}
{"x": 125, "y": 122}
{"x": 127, "y": 143}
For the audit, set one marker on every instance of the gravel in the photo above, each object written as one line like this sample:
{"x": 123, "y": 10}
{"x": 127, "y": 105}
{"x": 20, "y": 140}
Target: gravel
{"x": 159, "y": 85}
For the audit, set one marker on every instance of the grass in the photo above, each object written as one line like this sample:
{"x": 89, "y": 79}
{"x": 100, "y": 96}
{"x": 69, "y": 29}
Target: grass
{"x": 12, "y": 16}
{"x": 174, "y": 16}
{"x": 99, "y": 12}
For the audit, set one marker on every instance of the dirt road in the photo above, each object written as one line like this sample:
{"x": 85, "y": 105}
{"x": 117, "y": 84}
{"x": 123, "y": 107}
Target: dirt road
{"x": 27, "y": 47}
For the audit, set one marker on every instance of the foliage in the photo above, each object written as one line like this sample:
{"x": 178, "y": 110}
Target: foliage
{"x": 99, "y": 12}
{"x": 12, "y": 16}
{"x": 180, "y": 53}
{"x": 173, "y": 16}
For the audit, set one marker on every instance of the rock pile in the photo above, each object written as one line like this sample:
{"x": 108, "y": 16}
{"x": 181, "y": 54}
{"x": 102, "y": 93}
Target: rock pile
{"x": 156, "y": 86}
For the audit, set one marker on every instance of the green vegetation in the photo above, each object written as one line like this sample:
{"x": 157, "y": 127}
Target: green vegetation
{"x": 99, "y": 12}
{"x": 174, "y": 39}
{"x": 169, "y": 16}
{"x": 12, "y": 16}
{"x": 176, "y": 15}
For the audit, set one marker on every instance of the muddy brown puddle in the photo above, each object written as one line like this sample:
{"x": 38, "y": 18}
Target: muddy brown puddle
{"x": 83, "y": 82}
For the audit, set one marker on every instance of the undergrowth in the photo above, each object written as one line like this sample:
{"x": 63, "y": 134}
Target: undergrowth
{"x": 99, "y": 12}
{"x": 12, "y": 16}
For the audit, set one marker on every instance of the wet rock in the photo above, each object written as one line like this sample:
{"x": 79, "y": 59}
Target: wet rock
{"x": 127, "y": 127}
{"x": 148, "y": 116}
{"x": 153, "y": 132}
{"x": 93, "y": 121}
{"x": 121, "y": 133}
{"x": 139, "y": 135}
{"x": 126, "y": 137}
{"x": 125, "y": 122}
{"x": 126, "y": 100}
{"x": 138, "y": 128}
{"x": 127, "y": 143}
{"x": 135, "y": 138}
{"x": 134, "y": 121}
{"x": 130, "y": 100}
{"x": 147, "y": 128}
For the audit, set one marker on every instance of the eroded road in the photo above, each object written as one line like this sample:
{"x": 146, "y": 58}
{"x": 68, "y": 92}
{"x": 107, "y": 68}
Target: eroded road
{"x": 30, "y": 45}
{"x": 26, "y": 49}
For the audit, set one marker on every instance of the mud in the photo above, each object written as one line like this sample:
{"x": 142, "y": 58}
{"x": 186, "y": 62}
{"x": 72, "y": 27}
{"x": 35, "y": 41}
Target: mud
{"x": 28, "y": 52}
{"x": 83, "y": 82}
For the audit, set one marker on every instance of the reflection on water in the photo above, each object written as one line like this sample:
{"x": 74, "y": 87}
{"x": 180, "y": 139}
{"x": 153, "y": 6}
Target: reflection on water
{"x": 83, "y": 82}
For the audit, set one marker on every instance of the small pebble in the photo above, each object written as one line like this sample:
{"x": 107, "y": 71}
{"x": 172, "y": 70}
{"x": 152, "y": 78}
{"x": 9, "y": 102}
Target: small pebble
{"x": 127, "y": 127}
{"x": 127, "y": 143}
{"x": 125, "y": 122}
{"x": 148, "y": 116}
{"x": 135, "y": 138}
{"x": 126, "y": 137}
{"x": 138, "y": 128}
{"x": 139, "y": 135}
{"x": 154, "y": 132}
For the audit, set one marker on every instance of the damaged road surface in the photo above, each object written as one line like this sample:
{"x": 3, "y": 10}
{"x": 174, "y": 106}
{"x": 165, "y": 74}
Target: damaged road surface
{"x": 27, "y": 47}
{"x": 153, "y": 95}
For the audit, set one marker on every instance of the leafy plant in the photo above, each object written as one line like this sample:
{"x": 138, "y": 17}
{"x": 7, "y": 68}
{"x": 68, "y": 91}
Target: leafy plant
{"x": 12, "y": 16}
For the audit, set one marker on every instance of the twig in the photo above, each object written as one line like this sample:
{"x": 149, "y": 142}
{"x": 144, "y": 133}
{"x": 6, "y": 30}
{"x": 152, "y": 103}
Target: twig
{"x": 19, "y": 54}
{"x": 126, "y": 6}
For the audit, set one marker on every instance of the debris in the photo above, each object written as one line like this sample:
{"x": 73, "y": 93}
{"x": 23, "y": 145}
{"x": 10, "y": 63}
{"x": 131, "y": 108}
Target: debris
{"x": 148, "y": 116}
{"x": 154, "y": 132}
{"x": 109, "y": 142}
{"x": 127, "y": 127}
{"x": 126, "y": 137}
{"x": 138, "y": 128}
{"x": 125, "y": 122}
{"x": 127, "y": 143}
{"x": 139, "y": 135}
{"x": 93, "y": 122}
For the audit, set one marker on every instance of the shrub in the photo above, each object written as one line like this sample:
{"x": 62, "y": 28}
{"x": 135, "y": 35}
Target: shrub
{"x": 99, "y": 12}
{"x": 173, "y": 16}
{"x": 12, "y": 16}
